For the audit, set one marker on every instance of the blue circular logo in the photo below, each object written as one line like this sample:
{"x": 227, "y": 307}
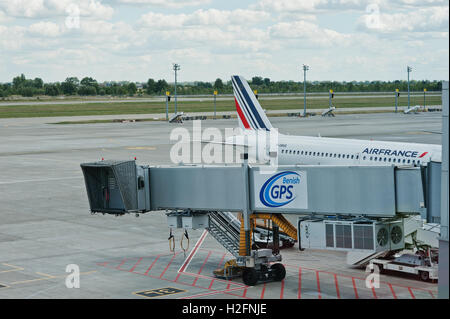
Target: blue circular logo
{"x": 277, "y": 191}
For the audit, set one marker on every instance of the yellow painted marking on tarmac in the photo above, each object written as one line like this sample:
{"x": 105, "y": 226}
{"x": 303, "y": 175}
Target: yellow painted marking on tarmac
{"x": 148, "y": 148}
{"x": 48, "y": 277}
{"x": 418, "y": 132}
{"x": 14, "y": 268}
{"x": 3, "y": 286}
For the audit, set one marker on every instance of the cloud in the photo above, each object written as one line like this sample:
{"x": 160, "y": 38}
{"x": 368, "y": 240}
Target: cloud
{"x": 45, "y": 29}
{"x": 174, "y": 4}
{"x": 310, "y": 6}
{"x": 210, "y": 17}
{"x": 55, "y": 8}
{"x": 434, "y": 19}
{"x": 308, "y": 32}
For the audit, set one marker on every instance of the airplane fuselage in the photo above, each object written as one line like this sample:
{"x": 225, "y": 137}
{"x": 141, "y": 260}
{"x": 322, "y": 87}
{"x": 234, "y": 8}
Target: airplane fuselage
{"x": 336, "y": 151}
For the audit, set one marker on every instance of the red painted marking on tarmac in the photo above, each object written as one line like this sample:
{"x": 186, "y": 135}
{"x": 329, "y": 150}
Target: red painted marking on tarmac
{"x": 392, "y": 290}
{"x": 282, "y": 289}
{"x": 374, "y": 293}
{"x": 193, "y": 252}
{"x": 353, "y": 277}
{"x": 412, "y": 294}
{"x": 432, "y": 295}
{"x": 135, "y": 265}
{"x": 263, "y": 291}
{"x": 337, "y": 287}
{"x": 213, "y": 293}
{"x": 354, "y": 288}
{"x": 151, "y": 266}
{"x": 220, "y": 263}
{"x": 121, "y": 264}
{"x": 201, "y": 268}
{"x": 299, "y": 283}
{"x": 318, "y": 284}
{"x": 245, "y": 292}
{"x": 217, "y": 279}
{"x": 183, "y": 283}
{"x": 168, "y": 265}
{"x": 240, "y": 286}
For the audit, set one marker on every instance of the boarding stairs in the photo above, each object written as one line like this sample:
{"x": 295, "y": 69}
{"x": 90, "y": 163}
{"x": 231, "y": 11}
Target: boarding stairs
{"x": 225, "y": 228}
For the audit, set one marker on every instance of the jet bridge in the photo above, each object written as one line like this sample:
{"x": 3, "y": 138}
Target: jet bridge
{"x": 200, "y": 196}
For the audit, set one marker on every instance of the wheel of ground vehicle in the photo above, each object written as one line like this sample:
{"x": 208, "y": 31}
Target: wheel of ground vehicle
{"x": 424, "y": 275}
{"x": 279, "y": 272}
{"x": 250, "y": 276}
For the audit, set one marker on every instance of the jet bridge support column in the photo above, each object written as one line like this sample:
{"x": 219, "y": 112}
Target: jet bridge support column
{"x": 247, "y": 210}
{"x": 443, "y": 240}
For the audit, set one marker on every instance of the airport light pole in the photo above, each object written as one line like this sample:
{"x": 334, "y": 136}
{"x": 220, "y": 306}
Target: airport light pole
{"x": 424, "y": 92}
{"x": 176, "y": 67}
{"x": 408, "y": 69}
{"x": 167, "y": 104}
{"x": 215, "y": 95}
{"x": 305, "y": 68}
{"x": 397, "y": 94}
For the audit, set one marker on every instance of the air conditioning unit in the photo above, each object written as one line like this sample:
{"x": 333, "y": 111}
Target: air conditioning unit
{"x": 389, "y": 236}
{"x": 397, "y": 235}
{"x": 382, "y": 237}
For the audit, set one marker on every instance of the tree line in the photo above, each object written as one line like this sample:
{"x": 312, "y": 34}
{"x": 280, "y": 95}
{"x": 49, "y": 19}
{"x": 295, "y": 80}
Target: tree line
{"x": 88, "y": 86}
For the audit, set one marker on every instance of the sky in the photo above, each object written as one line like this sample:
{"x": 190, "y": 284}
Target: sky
{"x": 133, "y": 40}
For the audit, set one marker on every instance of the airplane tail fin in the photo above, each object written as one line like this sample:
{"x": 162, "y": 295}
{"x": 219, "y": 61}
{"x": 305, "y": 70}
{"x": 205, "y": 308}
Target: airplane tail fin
{"x": 250, "y": 113}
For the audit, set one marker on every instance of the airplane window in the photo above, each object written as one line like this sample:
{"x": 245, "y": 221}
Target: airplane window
{"x": 364, "y": 158}
{"x": 326, "y": 154}
{"x": 380, "y": 159}
{"x": 310, "y": 153}
{"x": 390, "y": 159}
{"x": 404, "y": 160}
{"x": 348, "y": 156}
{"x": 357, "y": 157}
{"x": 409, "y": 161}
{"x": 371, "y": 158}
{"x": 314, "y": 154}
{"x": 290, "y": 151}
{"x": 385, "y": 159}
{"x": 322, "y": 155}
{"x": 334, "y": 155}
{"x": 339, "y": 155}
{"x": 298, "y": 152}
{"x": 352, "y": 156}
{"x": 282, "y": 151}
{"x": 375, "y": 158}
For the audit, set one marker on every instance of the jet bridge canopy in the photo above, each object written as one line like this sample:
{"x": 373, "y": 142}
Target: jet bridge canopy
{"x": 335, "y": 190}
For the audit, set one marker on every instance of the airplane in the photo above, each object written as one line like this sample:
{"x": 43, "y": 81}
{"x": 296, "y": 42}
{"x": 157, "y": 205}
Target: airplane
{"x": 309, "y": 150}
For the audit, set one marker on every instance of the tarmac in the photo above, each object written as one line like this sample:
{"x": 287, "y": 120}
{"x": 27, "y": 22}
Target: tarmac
{"x": 46, "y": 225}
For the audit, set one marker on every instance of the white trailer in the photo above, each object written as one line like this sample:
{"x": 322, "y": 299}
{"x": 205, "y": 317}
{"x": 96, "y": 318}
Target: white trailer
{"x": 415, "y": 264}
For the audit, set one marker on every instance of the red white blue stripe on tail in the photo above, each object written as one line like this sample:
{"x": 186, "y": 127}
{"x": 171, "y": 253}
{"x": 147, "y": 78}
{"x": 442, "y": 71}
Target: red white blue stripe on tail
{"x": 250, "y": 113}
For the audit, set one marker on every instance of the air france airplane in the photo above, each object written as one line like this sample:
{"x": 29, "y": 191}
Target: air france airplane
{"x": 320, "y": 150}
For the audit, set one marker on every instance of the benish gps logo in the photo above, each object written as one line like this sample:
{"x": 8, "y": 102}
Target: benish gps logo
{"x": 278, "y": 190}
